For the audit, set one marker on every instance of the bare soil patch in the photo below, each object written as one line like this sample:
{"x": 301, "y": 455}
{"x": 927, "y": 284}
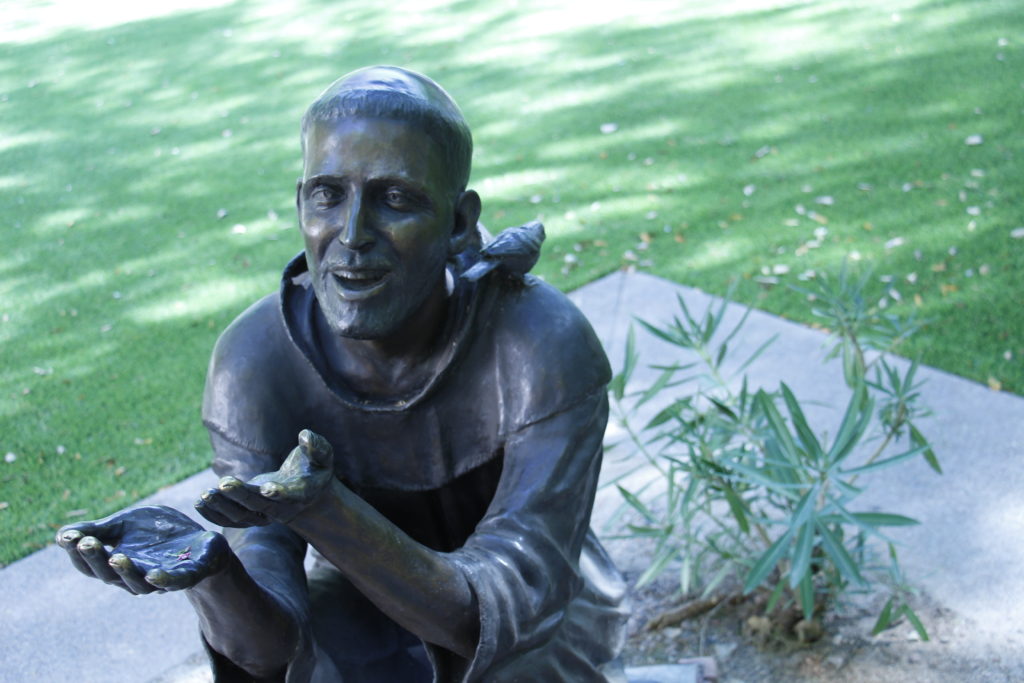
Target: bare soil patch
{"x": 846, "y": 652}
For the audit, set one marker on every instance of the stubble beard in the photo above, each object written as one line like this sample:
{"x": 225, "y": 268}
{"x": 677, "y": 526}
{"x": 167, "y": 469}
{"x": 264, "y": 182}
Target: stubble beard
{"x": 381, "y": 315}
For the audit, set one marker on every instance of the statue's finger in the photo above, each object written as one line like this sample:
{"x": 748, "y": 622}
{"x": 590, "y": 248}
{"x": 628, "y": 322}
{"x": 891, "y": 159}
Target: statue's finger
{"x": 83, "y": 529}
{"x": 68, "y": 539}
{"x": 95, "y": 555}
{"x": 215, "y": 517}
{"x": 130, "y": 574}
{"x": 273, "y": 490}
{"x": 245, "y": 495}
{"x": 212, "y": 515}
{"x": 175, "y": 578}
{"x": 222, "y": 511}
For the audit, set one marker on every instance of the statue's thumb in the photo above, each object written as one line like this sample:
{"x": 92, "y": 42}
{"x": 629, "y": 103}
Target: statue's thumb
{"x": 317, "y": 448}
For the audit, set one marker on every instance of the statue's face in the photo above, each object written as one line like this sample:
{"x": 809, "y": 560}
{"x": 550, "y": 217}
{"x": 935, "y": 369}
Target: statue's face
{"x": 377, "y": 218}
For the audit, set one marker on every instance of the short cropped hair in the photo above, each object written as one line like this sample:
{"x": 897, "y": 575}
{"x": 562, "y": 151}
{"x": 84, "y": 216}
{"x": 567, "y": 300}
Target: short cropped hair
{"x": 427, "y": 105}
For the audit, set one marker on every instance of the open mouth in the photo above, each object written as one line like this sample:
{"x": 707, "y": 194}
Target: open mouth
{"x": 359, "y": 284}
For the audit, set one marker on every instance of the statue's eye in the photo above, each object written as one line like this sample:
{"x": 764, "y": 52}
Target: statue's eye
{"x": 397, "y": 199}
{"x": 325, "y": 196}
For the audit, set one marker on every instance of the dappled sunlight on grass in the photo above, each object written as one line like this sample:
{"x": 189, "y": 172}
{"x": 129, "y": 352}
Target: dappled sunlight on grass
{"x": 712, "y": 253}
{"x": 32, "y": 21}
{"x": 205, "y": 299}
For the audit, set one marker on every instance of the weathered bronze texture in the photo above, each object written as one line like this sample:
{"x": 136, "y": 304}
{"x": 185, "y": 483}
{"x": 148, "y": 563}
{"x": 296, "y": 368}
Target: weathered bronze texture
{"x": 449, "y": 409}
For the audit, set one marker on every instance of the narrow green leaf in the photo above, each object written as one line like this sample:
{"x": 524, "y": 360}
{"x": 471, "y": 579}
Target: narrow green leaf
{"x": 773, "y": 599}
{"x": 848, "y": 490}
{"x": 661, "y": 560}
{"x": 690, "y": 320}
{"x": 908, "y": 380}
{"x": 686, "y": 574}
{"x": 918, "y": 439}
{"x": 884, "y": 618}
{"x": 807, "y": 597}
{"x": 868, "y": 521}
{"x": 855, "y": 422}
{"x": 665, "y": 414}
{"x": 918, "y": 626}
{"x": 801, "y": 558}
{"x": 844, "y": 516}
{"x": 853, "y": 371}
{"x": 619, "y": 381}
{"x": 617, "y": 386}
{"x": 756, "y": 354}
{"x": 723, "y": 349}
{"x": 717, "y": 579}
{"x": 683, "y": 342}
{"x": 778, "y": 427}
{"x": 894, "y": 377}
{"x": 803, "y": 430}
{"x": 691, "y": 491}
{"x": 738, "y": 326}
{"x": 738, "y": 508}
{"x": 804, "y": 508}
{"x": 882, "y": 464}
{"x": 743, "y": 396}
{"x": 766, "y": 563}
{"x": 778, "y": 468}
{"x": 663, "y": 379}
{"x": 755, "y": 476}
{"x": 629, "y": 362}
{"x": 726, "y": 410}
{"x": 840, "y": 558}
{"x": 636, "y": 504}
{"x": 883, "y": 519}
{"x": 713, "y": 320}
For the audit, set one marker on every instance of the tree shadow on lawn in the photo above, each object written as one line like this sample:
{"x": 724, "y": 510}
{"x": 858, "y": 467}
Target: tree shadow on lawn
{"x": 121, "y": 146}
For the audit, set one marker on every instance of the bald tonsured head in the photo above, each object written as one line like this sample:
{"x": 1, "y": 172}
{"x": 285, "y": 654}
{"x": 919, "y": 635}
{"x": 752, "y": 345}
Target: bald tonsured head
{"x": 390, "y": 92}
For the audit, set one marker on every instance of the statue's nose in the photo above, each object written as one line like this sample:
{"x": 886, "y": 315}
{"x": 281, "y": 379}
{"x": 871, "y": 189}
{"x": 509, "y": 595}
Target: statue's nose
{"x": 355, "y": 233}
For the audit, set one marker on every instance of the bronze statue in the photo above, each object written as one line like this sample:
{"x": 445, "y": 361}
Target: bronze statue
{"x": 449, "y": 409}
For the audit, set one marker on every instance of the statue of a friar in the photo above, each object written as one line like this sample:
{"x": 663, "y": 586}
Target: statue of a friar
{"x": 414, "y": 406}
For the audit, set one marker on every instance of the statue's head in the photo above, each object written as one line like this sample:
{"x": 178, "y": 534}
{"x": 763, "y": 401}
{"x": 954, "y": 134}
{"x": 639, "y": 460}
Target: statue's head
{"x": 389, "y": 92}
{"x": 382, "y": 200}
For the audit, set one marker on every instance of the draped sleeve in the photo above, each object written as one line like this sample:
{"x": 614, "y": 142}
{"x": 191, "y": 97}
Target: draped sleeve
{"x": 550, "y": 600}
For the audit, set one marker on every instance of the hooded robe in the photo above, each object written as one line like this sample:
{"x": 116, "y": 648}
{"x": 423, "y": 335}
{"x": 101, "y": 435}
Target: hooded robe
{"x": 494, "y": 459}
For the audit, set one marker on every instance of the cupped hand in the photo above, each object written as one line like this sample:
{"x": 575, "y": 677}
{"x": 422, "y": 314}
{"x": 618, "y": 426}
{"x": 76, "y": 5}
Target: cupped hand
{"x": 145, "y": 549}
{"x": 274, "y": 496}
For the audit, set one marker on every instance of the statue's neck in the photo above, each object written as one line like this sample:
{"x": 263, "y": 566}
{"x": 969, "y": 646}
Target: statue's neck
{"x": 395, "y": 365}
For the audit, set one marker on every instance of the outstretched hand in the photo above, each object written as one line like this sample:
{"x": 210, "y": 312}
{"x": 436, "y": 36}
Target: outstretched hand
{"x": 274, "y": 496}
{"x": 145, "y": 549}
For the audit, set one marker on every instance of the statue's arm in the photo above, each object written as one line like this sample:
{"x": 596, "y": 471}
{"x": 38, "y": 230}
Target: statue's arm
{"x": 421, "y": 589}
{"x": 522, "y": 560}
{"x": 251, "y": 613}
{"x": 255, "y": 615}
{"x": 534, "y": 528}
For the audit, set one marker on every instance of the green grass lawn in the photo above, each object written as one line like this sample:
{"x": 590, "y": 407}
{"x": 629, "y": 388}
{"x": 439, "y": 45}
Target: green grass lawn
{"x": 148, "y": 160}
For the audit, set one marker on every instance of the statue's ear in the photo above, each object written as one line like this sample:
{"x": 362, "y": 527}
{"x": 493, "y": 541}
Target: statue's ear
{"x": 467, "y": 213}
{"x": 298, "y": 197}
